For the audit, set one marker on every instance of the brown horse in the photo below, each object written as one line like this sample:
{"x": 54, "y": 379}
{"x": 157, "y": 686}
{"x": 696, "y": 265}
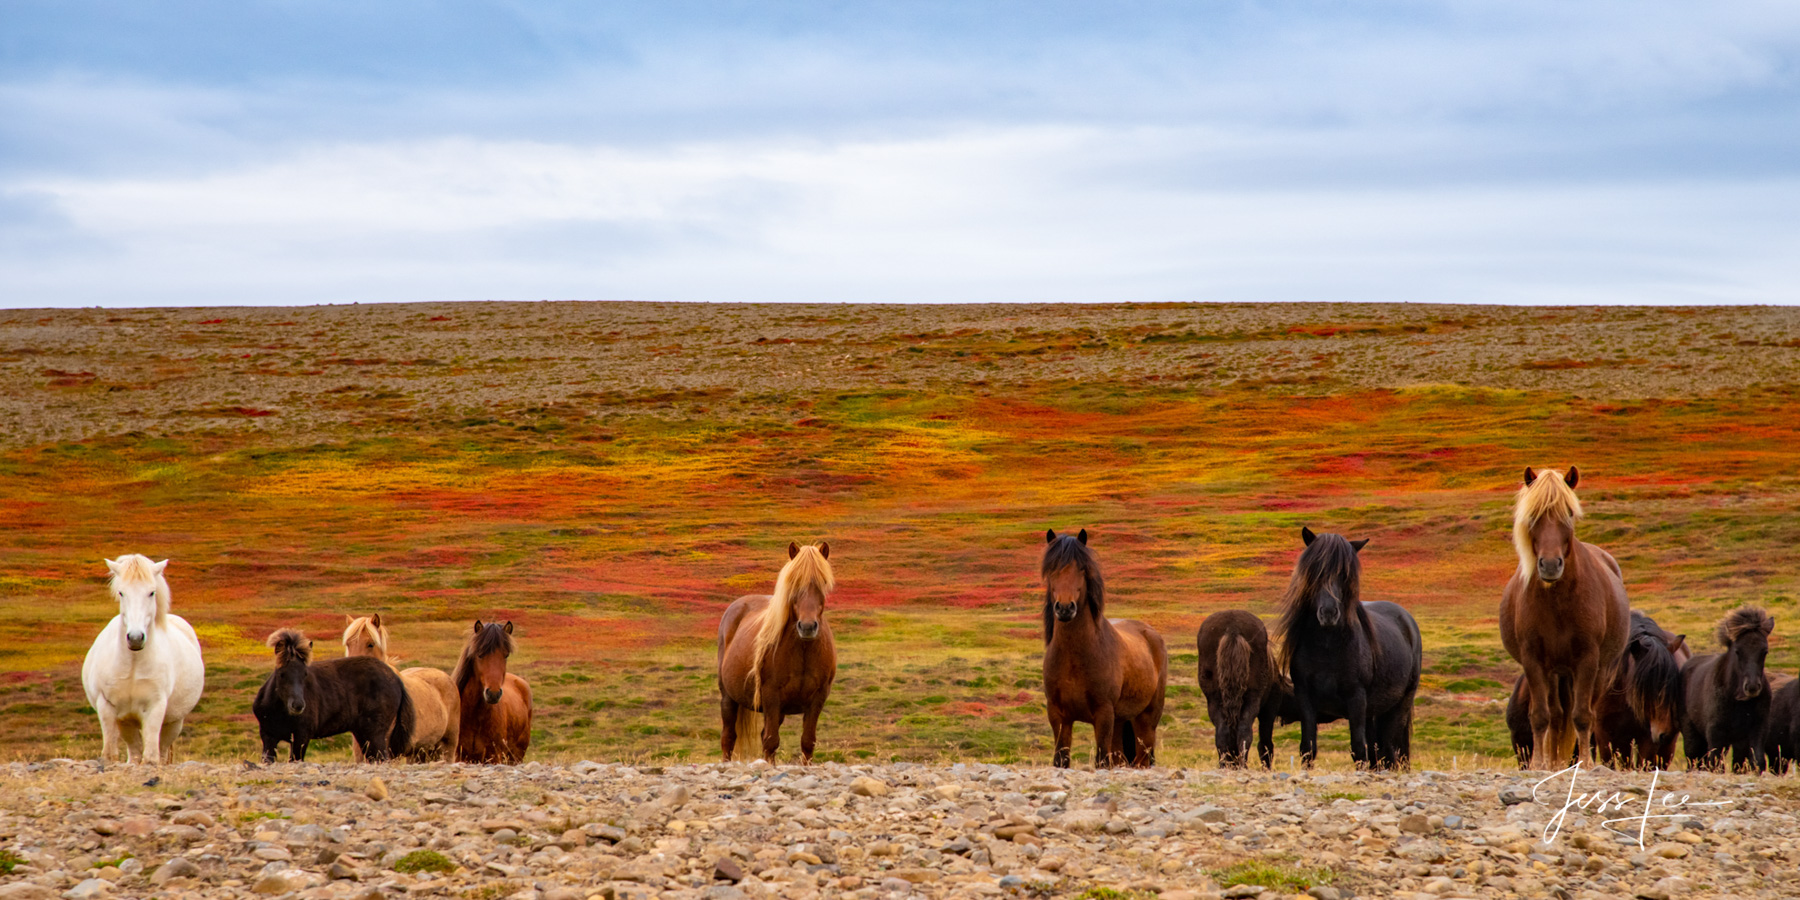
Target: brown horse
{"x": 777, "y": 658}
{"x": 1640, "y": 711}
{"x": 495, "y": 724}
{"x": 437, "y": 711}
{"x": 1111, "y": 673}
{"x": 1236, "y": 673}
{"x": 1564, "y": 617}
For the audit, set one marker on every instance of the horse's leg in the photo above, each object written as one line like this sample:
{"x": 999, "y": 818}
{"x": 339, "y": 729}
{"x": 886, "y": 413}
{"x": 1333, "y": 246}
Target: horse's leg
{"x": 109, "y": 728}
{"x": 1265, "y": 738}
{"x": 151, "y": 722}
{"x": 1584, "y": 697}
{"x": 771, "y": 729}
{"x": 728, "y": 713}
{"x": 1357, "y": 716}
{"x": 1542, "y": 712}
{"x": 1104, "y": 735}
{"x": 1309, "y": 728}
{"x": 1062, "y": 734}
{"x": 1145, "y": 725}
{"x": 809, "y": 732}
{"x": 171, "y": 729}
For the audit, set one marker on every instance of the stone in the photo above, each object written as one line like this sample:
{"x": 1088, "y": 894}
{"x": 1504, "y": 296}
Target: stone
{"x": 675, "y": 797}
{"x": 272, "y": 854}
{"x": 492, "y": 825}
{"x": 724, "y": 892}
{"x": 1669, "y": 850}
{"x": 25, "y": 890}
{"x": 184, "y": 833}
{"x": 341, "y": 872}
{"x": 864, "y": 786}
{"x": 947, "y": 791}
{"x": 1241, "y": 891}
{"x": 377, "y": 789}
{"x": 194, "y": 817}
{"x": 916, "y": 875}
{"x": 1515, "y": 794}
{"x": 90, "y": 889}
{"x": 1212, "y": 814}
{"x": 572, "y": 839}
{"x": 1415, "y": 824}
{"x": 727, "y": 869}
{"x": 179, "y": 867}
{"x": 138, "y": 826}
{"x": 1319, "y": 892}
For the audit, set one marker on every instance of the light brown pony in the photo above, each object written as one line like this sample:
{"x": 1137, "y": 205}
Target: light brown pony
{"x": 1112, "y": 673}
{"x": 437, "y": 712}
{"x": 1564, "y": 617}
{"x": 777, "y": 658}
{"x": 496, "y": 704}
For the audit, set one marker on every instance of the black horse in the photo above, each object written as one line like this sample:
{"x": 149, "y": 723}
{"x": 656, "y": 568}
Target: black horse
{"x": 1781, "y": 744}
{"x": 1727, "y": 695}
{"x": 302, "y": 700}
{"x": 1346, "y": 658}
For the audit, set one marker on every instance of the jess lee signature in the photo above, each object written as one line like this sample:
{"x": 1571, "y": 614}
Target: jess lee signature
{"x": 1600, "y": 802}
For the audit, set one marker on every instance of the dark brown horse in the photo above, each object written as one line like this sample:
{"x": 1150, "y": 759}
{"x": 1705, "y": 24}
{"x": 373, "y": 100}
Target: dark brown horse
{"x": 496, "y": 704}
{"x": 1236, "y": 674}
{"x": 1781, "y": 744}
{"x": 777, "y": 658}
{"x": 1640, "y": 711}
{"x": 1727, "y": 695}
{"x": 1112, "y": 673}
{"x": 1564, "y": 617}
{"x": 302, "y": 701}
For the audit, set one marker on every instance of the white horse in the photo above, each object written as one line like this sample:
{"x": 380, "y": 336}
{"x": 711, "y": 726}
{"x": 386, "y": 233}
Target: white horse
{"x": 144, "y": 674}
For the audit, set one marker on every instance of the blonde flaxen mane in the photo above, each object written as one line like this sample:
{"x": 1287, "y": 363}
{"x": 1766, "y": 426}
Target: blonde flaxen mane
{"x": 370, "y": 625}
{"x": 808, "y": 569}
{"x": 1547, "y": 495}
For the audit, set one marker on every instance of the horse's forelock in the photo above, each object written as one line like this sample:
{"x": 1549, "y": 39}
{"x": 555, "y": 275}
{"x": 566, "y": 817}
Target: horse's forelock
{"x": 366, "y": 624}
{"x": 492, "y": 638}
{"x": 1547, "y": 495}
{"x": 1738, "y": 622}
{"x": 1066, "y": 551}
{"x": 290, "y": 646}
{"x": 808, "y": 570}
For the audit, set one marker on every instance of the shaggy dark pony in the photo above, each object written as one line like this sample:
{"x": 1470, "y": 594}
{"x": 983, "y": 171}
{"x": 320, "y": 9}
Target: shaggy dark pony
{"x": 302, "y": 700}
{"x": 1727, "y": 695}
{"x": 1237, "y": 673}
{"x": 1346, "y": 658}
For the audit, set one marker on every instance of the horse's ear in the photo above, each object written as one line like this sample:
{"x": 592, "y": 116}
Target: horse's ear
{"x": 1768, "y": 625}
{"x": 113, "y": 566}
{"x": 1049, "y": 537}
{"x": 477, "y": 626}
{"x": 1358, "y": 545}
{"x": 1679, "y": 640}
{"x": 1082, "y": 537}
{"x": 509, "y": 628}
{"x": 158, "y": 568}
{"x": 1530, "y": 476}
{"x": 1306, "y": 535}
{"x": 375, "y": 620}
{"x": 349, "y": 620}
{"x": 1573, "y": 476}
{"x": 824, "y": 549}
{"x": 793, "y": 549}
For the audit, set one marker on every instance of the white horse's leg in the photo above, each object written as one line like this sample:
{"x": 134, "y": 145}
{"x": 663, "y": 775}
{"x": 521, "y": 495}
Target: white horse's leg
{"x": 152, "y": 724}
{"x": 109, "y": 728}
{"x": 171, "y": 729}
{"x": 133, "y": 733}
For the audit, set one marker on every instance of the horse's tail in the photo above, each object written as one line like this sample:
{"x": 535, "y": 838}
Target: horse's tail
{"x": 405, "y": 720}
{"x": 1233, "y": 668}
{"x": 749, "y": 734}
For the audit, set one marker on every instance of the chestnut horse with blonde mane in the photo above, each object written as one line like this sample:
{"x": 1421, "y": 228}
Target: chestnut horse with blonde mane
{"x": 1111, "y": 672}
{"x": 1564, "y": 617}
{"x": 437, "y": 712}
{"x": 495, "y": 726}
{"x": 777, "y": 658}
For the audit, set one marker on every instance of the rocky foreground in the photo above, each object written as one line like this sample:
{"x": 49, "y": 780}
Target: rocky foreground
{"x": 79, "y": 831}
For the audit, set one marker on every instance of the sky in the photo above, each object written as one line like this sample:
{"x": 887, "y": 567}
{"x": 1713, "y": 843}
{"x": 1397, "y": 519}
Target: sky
{"x": 1524, "y": 151}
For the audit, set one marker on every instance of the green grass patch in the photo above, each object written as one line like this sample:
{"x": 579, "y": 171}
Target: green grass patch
{"x": 1292, "y": 879}
{"x": 1329, "y": 796}
{"x": 424, "y": 861}
{"x": 9, "y": 861}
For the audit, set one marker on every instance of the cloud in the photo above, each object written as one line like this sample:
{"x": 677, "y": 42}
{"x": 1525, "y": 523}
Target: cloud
{"x": 1507, "y": 152}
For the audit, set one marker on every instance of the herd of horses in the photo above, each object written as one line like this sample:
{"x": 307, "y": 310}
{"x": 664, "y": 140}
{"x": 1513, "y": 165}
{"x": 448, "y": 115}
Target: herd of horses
{"x": 1599, "y": 679}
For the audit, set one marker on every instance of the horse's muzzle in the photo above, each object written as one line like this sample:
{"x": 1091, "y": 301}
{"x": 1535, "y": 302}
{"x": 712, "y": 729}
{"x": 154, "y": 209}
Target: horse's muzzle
{"x": 135, "y": 640}
{"x": 1549, "y": 570}
{"x": 1750, "y": 691}
{"x": 491, "y": 695}
{"x": 1065, "y": 613}
{"x": 808, "y": 631}
{"x": 295, "y": 709}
